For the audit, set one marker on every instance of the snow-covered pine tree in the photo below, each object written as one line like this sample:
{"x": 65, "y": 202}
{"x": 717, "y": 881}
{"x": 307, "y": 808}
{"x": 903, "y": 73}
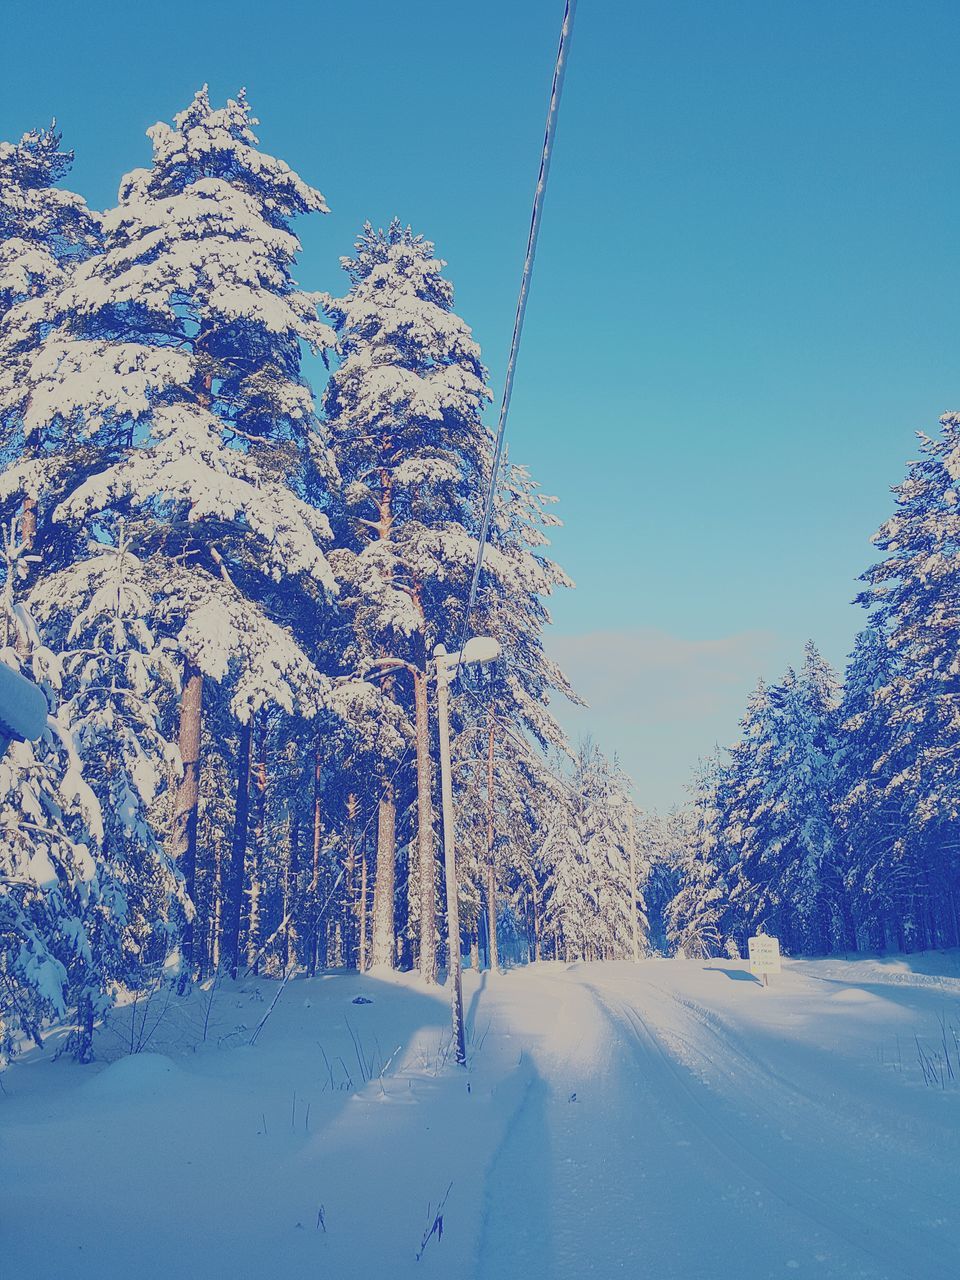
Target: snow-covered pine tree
{"x": 499, "y": 841}
{"x": 536, "y": 790}
{"x": 587, "y": 888}
{"x": 45, "y": 232}
{"x": 739, "y": 792}
{"x": 51, "y": 827}
{"x": 608, "y": 858}
{"x": 915, "y": 595}
{"x": 883, "y": 877}
{"x": 778, "y": 821}
{"x": 504, "y": 711}
{"x": 694, "y": 916}
{"x": 115, "y": 677}
{"x": 404, "y": 411}
{"x": 177, "y": 351}
{"x": 565, "y": 894}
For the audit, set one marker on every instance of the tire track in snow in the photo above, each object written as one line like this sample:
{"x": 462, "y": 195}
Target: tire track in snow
{"x": 613, "y": 1191}
{"x": 897, "y": 1258}
{"x": 851, "y": 1111}
{"x": 751, "y": 1063}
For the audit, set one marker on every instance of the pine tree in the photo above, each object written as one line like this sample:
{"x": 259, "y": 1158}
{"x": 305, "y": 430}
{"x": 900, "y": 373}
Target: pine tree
{"x": 915, "y": 596}
{"x": 881, "y": 877}
{"x": 695, "y": 915}
{"x": 175, "y": 352}
{"x": 51, "y": 828}
{"x": 115, "y": 676}
{"x": 45, "y": 232}
{"x": 777, "y": 819}
{"x": 587, "y": 891}
{"x": 403, "y": 408}
{"x": 505, "y": 710}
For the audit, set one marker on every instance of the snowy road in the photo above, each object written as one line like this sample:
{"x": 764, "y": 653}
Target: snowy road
{"x": 674, "y": 1142}
{"x": 672, "y": 1119}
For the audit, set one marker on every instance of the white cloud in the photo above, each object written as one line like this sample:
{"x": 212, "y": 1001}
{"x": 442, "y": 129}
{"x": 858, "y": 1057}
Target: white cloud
{"x": 661, "y": 702}
{"x": 661, "y": 675}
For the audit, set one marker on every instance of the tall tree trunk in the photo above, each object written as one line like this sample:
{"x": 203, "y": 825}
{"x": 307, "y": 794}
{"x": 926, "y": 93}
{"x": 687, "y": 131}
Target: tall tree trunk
{"x": 291, "y": 890}
{"x": 212, "y": 949}
{"x": 535, "y": 907}
{"x": 425, "y": 833}
{"x": 28, "y": 536}
{"x": 362, "y": 905}
{"x": 384, "y": 935}
{"x": 258, "y": 844}
{"x": 350, "y": 914}
{"x": 491, "y": 869}
{"x": 384, "y": 939}
{"x": 315, "y": 847}
{"x": 287, "y": 899}
{"x": 233, "y": 898}
{"x": 187, "y": 804}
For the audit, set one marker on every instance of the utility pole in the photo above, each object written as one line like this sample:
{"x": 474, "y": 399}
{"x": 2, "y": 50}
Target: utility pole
{"x": 479, "y": 649}
{"x": 444, "y": 675}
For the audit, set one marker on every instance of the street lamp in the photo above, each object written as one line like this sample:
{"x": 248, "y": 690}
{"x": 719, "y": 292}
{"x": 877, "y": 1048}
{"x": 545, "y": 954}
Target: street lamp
{"x": 480, "y": 649}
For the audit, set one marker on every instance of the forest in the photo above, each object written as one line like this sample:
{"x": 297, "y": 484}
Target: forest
{"x": 238, "y": 517}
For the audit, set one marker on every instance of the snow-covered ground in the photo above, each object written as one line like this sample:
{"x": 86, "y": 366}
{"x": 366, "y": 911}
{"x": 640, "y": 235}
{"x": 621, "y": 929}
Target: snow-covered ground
{"x": 672, "y": 1119}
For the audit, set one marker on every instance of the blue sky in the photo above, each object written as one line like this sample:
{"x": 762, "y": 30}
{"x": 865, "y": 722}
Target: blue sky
{"x": 744, "y": 293}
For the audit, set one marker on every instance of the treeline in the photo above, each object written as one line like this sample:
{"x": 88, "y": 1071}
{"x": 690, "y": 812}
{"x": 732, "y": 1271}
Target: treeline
{"x": 834, "y": 822}
{"x": 230, "y": 591}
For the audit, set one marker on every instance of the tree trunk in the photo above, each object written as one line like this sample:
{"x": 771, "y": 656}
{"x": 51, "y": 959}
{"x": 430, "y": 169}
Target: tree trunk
{"x": 535, "y": 909}
{"x": 83, "y": 1044}
{"x": 233, "y": 898}
{"x": 291, "y": 890}
{"x": 187, "y": 804}
{"x": 28, "y": 536}
{"x": 212, "y": 949}
{"x": 287, "y": 890}
{"x": 384, "y": 936}
{"x": 316, "y": 844}
{"x": 362, "y": 907}
{"x": 257, "y": 846}
{"x": 349, "y": 912}
{"x": 491, "y": 869}
{"x": 425, "y": 834}
{"x": 384, "y": 940}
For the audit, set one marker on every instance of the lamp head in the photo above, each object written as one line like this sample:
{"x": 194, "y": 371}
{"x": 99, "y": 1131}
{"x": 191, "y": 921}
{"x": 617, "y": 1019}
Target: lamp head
{"x": 478, "y": 649}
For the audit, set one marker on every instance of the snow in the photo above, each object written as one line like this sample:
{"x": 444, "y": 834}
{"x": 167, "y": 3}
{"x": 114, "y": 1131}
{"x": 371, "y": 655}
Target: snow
{"x": 670, "y": 1119}
{"x": 23, "y": 708}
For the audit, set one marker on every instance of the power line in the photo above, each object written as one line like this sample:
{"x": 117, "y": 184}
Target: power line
{"x": 532, "y": 237}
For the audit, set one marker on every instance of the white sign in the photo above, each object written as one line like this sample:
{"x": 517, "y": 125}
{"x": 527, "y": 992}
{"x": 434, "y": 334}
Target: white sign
{"x": 764, "y": 955}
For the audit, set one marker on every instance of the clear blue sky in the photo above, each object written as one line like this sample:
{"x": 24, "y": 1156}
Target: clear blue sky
{"x": 744, "y": 297}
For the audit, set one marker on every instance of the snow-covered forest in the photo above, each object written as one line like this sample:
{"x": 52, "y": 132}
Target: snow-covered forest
{"x": 239, "y": 512}
{"x": 238, "y": 516}
{"x": 833, "y": 822}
